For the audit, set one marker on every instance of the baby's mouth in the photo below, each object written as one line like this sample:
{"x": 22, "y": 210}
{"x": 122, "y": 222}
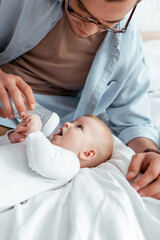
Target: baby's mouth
{"x": 60, "y": 132}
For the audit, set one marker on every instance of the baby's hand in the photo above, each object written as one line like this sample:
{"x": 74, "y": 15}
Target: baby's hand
{"x": 33, "y": 123}
{"x": 18, "y": 135}
{"x": 30, "y": 123}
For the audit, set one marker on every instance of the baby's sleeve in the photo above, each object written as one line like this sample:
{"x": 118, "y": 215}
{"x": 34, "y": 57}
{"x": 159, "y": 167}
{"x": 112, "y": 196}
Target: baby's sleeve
{"x": 49, "y": 160}
{"x": 4, "y": 140}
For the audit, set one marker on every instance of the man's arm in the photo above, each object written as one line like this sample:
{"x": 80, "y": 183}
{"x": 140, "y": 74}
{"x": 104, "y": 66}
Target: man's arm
{"x": 140, "y": 144}
{"x": 148, "y": 163}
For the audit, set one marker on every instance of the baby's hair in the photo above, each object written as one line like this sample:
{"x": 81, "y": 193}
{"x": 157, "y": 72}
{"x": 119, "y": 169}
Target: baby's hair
{"x": 105, "y": 146}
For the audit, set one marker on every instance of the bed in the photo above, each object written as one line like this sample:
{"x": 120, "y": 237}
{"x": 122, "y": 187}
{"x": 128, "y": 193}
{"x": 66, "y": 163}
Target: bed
{"x": 99, "y": 203}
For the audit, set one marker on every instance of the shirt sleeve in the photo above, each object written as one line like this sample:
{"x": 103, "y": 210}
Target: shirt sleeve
{"x": 49, "y": 160}
{"x": 129, "y": 113}
{"x": 4, "y": 140}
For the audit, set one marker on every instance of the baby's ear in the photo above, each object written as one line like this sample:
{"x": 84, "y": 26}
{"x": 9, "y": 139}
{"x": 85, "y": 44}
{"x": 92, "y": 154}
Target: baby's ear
{"x": 87, "y": 155}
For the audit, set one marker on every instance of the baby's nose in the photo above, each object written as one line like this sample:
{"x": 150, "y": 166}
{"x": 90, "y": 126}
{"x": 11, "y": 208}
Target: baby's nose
{"x": 67, "y": 124}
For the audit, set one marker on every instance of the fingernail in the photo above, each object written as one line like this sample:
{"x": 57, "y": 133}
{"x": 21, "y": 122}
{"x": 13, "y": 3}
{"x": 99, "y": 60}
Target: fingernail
{"x": 137, "y": 188}
{"x": 22, "y": 114}
{"x": 11, "y": 116}
{"x": 130, "y": 174}
{"x": 32, "y": 106}
{"x": 142, "y": 194}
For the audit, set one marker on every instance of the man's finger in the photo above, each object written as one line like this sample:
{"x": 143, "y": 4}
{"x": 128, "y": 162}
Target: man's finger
{"x": 6, "y": 104}
{"x": 149, "y": 176}
{"x": 157, "y": 196}
{"x": 28, "y": 94}
{"x": 152, "y": 190}
{"x": 135, "y": 166}
{"x": 16, "y": 95}
{"x": 2, "y": 113}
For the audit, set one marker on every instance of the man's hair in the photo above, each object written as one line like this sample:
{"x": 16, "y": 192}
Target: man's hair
{"x": 105, "y": 144}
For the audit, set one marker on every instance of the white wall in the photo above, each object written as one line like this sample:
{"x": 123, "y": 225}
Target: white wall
{"x": 147, "y": 15}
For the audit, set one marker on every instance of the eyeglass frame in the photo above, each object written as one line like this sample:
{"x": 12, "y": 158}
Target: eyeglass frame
{"x": 97, "y": 22}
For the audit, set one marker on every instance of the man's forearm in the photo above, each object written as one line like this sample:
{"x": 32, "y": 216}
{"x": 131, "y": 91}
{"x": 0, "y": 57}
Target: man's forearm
{"x": 140, "y": 144}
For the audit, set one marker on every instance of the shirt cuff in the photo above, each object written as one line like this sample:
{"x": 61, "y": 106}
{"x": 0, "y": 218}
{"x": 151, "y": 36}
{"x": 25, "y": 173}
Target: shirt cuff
{"x": 4, "y": 140}
{"x": 130, "y": 133}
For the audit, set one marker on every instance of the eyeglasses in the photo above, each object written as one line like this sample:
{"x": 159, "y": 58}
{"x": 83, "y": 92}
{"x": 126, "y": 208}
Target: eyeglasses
{"x": 97, "y": 22}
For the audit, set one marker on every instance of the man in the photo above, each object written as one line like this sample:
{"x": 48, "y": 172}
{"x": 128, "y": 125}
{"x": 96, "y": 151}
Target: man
{"x": 81, "y": 50}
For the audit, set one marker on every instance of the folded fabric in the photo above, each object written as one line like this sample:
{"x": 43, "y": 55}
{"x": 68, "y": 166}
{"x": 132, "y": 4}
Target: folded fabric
{"x": 97, "y": 204}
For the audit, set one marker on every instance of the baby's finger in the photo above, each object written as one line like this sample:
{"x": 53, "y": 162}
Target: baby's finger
{"x": 21, "y": 137}
{"x": 22, "y": 123}
{"x": 21, "y": 128}
{"x": 28, "y": 115}
{"x": 29, "y": 118}
{"x": 22, "y": 140}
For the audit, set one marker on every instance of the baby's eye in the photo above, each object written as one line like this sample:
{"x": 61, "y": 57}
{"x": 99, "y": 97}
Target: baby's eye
{"x": 79, "y": 126}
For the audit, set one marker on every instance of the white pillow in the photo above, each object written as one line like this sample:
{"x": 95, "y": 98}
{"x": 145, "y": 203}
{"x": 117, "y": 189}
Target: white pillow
{"x": 152, "y": 55}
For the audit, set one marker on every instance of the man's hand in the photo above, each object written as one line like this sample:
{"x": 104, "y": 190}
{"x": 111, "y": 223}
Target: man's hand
{"x": 149, "y": 183}
{"x": 13, "y": 86}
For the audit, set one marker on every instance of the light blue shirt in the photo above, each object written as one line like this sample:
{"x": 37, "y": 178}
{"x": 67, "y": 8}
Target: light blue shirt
{"x": 117, "y": 82}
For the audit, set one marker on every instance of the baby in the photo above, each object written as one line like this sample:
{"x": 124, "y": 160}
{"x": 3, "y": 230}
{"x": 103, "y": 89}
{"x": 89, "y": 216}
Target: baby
{"x": 38, "y": 164}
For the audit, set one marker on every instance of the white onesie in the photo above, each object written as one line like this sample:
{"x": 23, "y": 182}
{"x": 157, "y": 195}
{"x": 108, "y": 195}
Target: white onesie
{"x": 31, "y": 167}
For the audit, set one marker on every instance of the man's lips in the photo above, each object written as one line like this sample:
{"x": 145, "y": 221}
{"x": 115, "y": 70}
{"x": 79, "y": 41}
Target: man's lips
{"x": 80, "y": 29}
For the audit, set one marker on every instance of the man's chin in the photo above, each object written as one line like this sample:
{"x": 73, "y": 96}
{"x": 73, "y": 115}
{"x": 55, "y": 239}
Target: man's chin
{"x": 78, "y": 32}
{"x": 80, "y": 36}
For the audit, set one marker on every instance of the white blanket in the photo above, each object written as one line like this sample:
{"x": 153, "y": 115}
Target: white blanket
{"x": 98, "y": 204}
{"x": 18, "y": 182}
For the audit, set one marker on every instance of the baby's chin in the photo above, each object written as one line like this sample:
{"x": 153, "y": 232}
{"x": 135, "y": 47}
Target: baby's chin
{"x": 54, "y": 142}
